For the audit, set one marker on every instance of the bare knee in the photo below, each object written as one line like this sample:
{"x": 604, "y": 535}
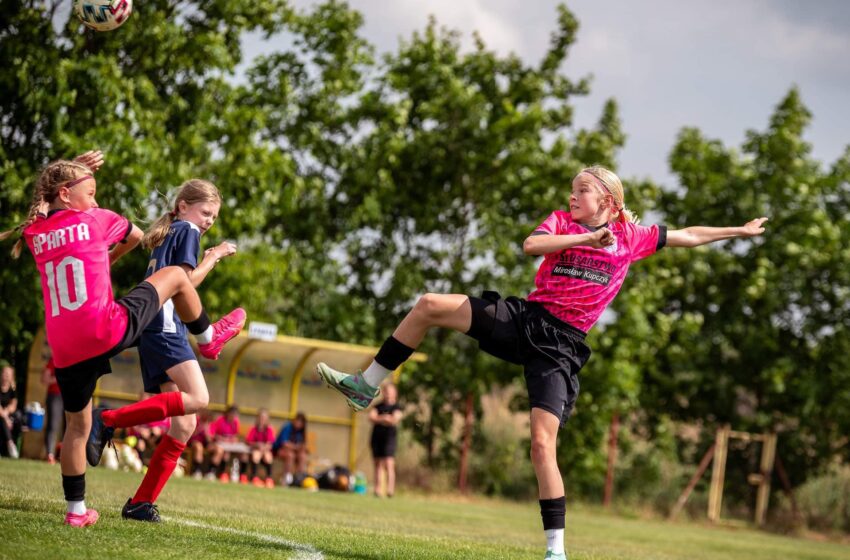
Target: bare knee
{"x": 197, "y": 400}
{"x": 182, "y": 427}
{"x": 78, "y": 424}
{"x": 542, "y": 449}
{"x": 428, "y": 306}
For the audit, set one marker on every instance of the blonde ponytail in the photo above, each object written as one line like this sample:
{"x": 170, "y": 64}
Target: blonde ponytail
{"x": 156, "y": 233}
{"x": 53, "y": 176}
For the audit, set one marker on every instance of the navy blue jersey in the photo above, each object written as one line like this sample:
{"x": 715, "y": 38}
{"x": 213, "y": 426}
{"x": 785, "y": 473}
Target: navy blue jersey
{"x": 181, "y": 246}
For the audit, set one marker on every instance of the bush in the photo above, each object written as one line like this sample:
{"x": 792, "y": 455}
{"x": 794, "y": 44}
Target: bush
{"x": 648, "y": 471}
{"x": 500, "y": 464}
{"x": 825, "y": 501}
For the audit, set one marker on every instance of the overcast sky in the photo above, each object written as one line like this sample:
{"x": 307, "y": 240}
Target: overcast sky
{"x": 720, "y": 65}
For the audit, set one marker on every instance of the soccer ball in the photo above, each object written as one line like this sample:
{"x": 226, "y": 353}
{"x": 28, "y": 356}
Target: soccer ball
{"x": 103, "y": 15}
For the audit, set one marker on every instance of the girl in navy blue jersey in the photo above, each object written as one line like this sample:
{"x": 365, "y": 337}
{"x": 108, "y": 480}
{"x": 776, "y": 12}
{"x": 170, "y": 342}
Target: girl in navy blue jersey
{"x": 167, "y": 360}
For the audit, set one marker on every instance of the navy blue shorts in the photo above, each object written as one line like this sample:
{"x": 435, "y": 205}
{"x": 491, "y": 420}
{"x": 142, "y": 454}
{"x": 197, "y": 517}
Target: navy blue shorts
{"x": 159, "y": 352}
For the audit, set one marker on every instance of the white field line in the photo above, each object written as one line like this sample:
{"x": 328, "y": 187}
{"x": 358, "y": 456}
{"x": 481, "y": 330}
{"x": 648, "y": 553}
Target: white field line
{"x": 302, "y": 551}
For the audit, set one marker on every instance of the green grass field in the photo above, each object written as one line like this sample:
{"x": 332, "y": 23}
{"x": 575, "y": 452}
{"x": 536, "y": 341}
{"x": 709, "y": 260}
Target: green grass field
{"x": 209, "y": 520}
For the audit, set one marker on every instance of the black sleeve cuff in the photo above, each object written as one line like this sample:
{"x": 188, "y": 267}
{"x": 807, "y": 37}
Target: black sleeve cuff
{"x": 662, "y": 238}
{"x": 539, "y": 232}
{"x": 127, "y": 233}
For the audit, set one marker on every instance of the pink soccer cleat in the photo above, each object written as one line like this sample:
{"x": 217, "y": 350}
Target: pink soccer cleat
{"x": 90, "y": 517}
{"x": 223, "y": 330}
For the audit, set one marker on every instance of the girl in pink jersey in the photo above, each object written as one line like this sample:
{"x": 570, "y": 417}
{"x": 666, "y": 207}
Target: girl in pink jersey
{"x": 260, "y": 439}
{"x": 587, "y": 252}
{"x": 74, "y": 242}
{"x": 224, "y": 432}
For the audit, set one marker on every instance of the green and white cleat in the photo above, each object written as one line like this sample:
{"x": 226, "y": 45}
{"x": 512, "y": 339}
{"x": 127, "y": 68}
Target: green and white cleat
{"x": 552, "y": 556}
{"x": 354, "y": 388}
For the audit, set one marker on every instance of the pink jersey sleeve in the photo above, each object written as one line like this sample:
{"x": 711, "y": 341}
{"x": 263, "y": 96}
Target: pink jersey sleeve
{"x": 115, "y": 227}
{"x": 642, "y": 240}
{"x": 252, "y": 435}
{"x": 555, "y": 224}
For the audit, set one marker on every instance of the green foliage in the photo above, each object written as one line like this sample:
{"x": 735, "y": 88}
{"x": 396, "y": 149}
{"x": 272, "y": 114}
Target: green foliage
{"x": 466, "y": 154}
{"x": 160, "y": 99}
{"x": 755, "y": 333}
{"x": 825, "y": 501}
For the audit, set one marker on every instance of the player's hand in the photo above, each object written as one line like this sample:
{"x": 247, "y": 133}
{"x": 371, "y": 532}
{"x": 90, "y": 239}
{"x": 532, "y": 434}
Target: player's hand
{"x": 753, "y": 227}
{"x": 601, "y": 238}
{"x": 93, "y": 159}
{"x": 222, "y": 250}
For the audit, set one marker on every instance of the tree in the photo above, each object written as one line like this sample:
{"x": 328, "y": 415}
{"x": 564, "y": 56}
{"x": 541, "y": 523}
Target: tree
{"x": 755, "y": 332}
{"x": 466, "y": 153}
{"x": 159, "y": 98}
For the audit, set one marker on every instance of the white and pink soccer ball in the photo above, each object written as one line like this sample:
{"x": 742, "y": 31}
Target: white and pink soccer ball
{"x": 103, "y": 15}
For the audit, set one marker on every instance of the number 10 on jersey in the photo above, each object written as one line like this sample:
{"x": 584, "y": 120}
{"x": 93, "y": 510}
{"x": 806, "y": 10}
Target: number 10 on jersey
{"x": 60, "y": 284}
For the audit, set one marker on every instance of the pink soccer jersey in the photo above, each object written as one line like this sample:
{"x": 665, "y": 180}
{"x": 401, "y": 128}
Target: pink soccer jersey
{"x": 264, "y": 435}
{"x": 71, "y": 251}
{"x": 223, "y": 430}
{"x": 576, "y": 285}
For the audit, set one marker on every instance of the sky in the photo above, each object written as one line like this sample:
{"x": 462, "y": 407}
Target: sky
{"x": 720, "y": 65}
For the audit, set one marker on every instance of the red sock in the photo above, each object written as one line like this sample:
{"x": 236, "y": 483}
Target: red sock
{"x": 162, "y": 464}
{"x": 156, "y": 408}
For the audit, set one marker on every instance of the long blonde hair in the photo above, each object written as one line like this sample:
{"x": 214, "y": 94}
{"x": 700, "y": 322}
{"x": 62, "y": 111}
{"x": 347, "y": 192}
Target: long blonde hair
{"x": 611, "y": 184}
{"x": 190, "y": 192}
{"x": 51, "y": 178}
{"x": 7, "y": 366}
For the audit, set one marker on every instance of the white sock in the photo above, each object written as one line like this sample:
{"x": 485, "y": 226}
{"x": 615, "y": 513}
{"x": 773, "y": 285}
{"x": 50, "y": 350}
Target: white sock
{"x": 205, "y": 337}
{"x": 375, "y": 373}
{"x": 555, "y": 540}
{"x": 77, "y": 508}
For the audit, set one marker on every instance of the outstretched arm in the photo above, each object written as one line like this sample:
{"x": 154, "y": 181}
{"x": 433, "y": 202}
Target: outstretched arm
{"x": 701, "y": 235}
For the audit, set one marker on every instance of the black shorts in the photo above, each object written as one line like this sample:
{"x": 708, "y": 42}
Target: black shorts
{"x": 383, "y": 444}
{"x": 77, "y": 382}
{"x": 551, "y": 351}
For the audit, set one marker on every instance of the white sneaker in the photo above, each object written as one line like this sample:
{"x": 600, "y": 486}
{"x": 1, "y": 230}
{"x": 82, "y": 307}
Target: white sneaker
{"x": 210, "y": 476}
{"x": 197, "y": 475}
{"x": 13, "y": 450}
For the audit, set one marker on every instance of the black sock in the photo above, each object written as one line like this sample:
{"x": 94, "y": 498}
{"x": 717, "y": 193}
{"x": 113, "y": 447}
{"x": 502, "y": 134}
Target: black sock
{"x": 553, "y": 512}
{"x": 267, "y": 466}
{"x": 243, "y": 467}
{"x": 393, "y": 353}
{"x": 199, "y": 325}
{"x": 219, "y": 468}
{"x": 254, "y": 468}
{"x": 74, "y": 487}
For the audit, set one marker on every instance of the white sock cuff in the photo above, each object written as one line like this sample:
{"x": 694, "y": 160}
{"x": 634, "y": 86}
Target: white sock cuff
{"x": 206, "y": 336}
{"x": 375, "y": 374}
{"x": 77, "y": 508}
